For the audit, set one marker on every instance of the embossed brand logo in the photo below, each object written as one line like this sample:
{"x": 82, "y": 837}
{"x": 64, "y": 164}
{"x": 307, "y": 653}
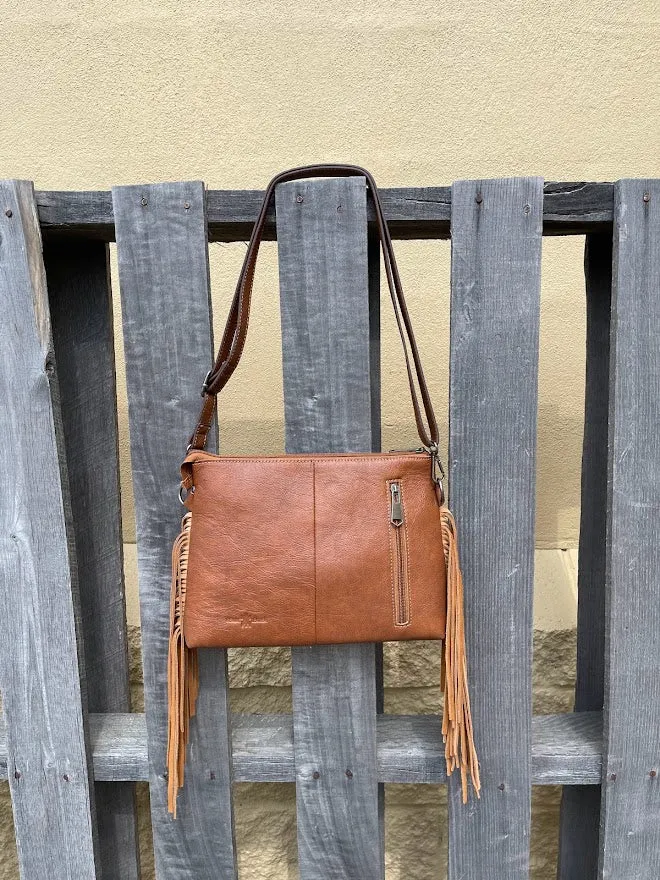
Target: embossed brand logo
{"x": 245, "y": 621}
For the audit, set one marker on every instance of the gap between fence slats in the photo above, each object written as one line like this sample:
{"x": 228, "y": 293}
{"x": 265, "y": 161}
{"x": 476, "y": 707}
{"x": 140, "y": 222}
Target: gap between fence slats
{"x": 580, "y": 810}
{"x": 78, "y": 274}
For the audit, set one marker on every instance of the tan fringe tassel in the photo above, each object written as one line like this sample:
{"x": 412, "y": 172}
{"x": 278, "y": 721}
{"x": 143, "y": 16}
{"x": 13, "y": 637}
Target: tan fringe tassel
{"x": 457, "y": 730}
{"x": 182, "y": 670}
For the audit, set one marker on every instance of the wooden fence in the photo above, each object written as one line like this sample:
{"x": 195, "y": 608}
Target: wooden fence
{"x": 71, "y": 751}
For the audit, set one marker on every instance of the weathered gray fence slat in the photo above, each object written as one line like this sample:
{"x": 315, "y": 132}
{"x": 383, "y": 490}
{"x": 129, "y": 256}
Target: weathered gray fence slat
{"x": 566, "y": 749}
{"x": 163, "y": 270}
{"x": 580, "y": 810}
{"x": 40, "y": 669}
{"x": 373, "y": 264}
{"x": 495, "y": 278}
{"x": 322, "y": 235}
{"x": 569, "y": 208}
{"x": 630, "y": 816}
{"x": 78, "y": 276}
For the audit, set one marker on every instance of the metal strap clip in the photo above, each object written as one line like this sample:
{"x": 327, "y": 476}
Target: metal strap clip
{"x": 205, "y": 384}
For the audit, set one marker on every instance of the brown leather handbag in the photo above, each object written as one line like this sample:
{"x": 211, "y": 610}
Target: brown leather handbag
{"x": 369, "y": 551}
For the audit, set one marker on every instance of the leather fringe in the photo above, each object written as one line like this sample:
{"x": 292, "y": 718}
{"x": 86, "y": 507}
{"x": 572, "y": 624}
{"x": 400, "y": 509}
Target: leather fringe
{"x": 457, "y": 731}
{"x": 182, "y": 670}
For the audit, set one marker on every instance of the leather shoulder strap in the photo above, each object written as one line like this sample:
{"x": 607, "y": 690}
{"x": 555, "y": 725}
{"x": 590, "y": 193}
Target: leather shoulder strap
{"x": 236, "y": 328}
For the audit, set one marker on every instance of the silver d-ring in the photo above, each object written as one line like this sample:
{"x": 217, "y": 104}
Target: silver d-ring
{"x": 182, "y": 489}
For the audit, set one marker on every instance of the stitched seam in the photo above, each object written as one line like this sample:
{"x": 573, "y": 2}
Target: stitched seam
{"x": 405, "y": 538}
{"x": 395, "y": 583}
{"x": 391, "y": 538}
{"x": 195, "y": 438}
{"x": 267, "y": 459}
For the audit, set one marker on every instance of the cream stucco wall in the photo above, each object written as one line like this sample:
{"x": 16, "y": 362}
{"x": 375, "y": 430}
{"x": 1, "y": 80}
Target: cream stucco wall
{"x": 422, "y": 93}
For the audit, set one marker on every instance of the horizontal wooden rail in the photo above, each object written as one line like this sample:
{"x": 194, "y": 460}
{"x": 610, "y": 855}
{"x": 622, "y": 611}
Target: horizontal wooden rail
{"x": 566, "y": 749}
{"x": 412, "y": 212}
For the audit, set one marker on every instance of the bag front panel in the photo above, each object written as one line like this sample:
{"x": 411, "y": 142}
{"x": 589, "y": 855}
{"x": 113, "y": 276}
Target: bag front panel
{"x": 251, "y": 560}
{"x": 303, "y": 550}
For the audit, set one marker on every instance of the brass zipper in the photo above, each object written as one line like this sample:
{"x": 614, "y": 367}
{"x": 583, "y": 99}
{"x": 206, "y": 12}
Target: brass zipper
{"x": 401, "y": 590}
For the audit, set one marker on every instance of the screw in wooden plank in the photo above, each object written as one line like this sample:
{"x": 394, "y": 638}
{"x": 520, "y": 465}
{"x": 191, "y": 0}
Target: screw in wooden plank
{"x": 349, "y": 774}
{"x": 646, "y": 197}
{"x": 316, "y": 775}
{"x": 526, "y": 209}
{"x": 299, "y": 199}
{"x": 144, "y": 203}
{"x": 186, "y": 205}
{"x": 479, "y": 198}
{"x": 9, "y": 212}
{"x": 653, "y": 773}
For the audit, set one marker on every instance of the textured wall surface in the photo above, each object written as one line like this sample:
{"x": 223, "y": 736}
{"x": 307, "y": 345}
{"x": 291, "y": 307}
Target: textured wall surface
{"x": 422, "y": 93}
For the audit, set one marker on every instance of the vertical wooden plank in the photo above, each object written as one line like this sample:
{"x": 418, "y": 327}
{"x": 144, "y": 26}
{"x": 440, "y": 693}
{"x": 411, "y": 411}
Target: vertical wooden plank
{"x": 495, "y": 278}
{"x": 580, "y": 809}
{"x": 630, "y": 817}
{"x": 163, "y": 272}
{"x": 322, "y": 235}
{"x": 78, "y": 276}
{"x": 373, "y": 262}
{"x": 40, "y": 673}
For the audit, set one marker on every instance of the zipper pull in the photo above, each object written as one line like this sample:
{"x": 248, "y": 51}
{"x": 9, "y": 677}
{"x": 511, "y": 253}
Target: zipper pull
{"x": 396, "y": 508}
{"x": 410, "y": 449}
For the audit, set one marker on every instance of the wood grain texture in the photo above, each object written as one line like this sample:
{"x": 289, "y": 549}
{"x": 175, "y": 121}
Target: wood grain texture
{"x": 163, "y": 270}
{"x": 566, "y": 749}
{"x": 630, "y": 816}
{"x": 40, "y": 667}
{"x": 322, "y": 235}
{"x": 580, "y": 810}
{"x": 495, "y": 278}
{"x": 411, "y": 212}
{"x": 78, "y": 278}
